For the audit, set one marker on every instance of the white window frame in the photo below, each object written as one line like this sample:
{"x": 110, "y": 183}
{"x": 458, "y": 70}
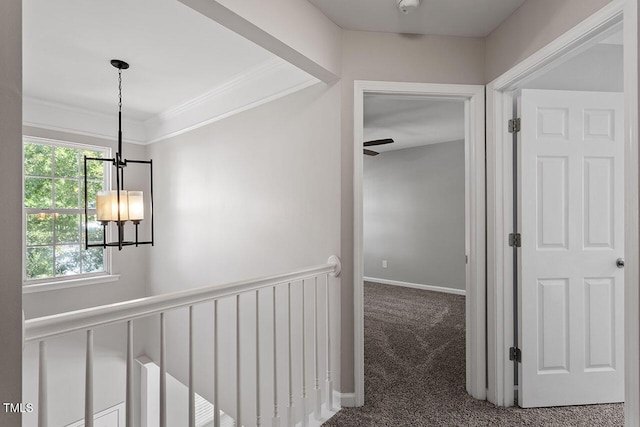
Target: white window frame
{"x": 51, "y": 283}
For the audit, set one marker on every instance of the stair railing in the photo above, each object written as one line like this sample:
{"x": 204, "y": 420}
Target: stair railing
{"x": 44, "y": 328}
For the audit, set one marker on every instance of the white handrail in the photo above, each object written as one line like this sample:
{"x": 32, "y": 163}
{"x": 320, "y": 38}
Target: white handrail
{"x": 59, "y": 324}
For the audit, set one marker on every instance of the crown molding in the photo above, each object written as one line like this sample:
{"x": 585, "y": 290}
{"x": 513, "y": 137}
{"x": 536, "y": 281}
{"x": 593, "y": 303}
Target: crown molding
{"x": 271, "y": 80}
{"x": 235, "y": 82}
{"x": 266, "y": 82}
{"x": 66, "y": 118}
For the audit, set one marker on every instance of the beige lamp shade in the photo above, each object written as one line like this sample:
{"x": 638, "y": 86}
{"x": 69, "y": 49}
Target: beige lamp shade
{"x": 107, "y": 206}
{"x": 136, "y": 206}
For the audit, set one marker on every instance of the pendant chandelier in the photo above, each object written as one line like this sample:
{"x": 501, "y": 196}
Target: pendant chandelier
{"x": 120, "y": 205}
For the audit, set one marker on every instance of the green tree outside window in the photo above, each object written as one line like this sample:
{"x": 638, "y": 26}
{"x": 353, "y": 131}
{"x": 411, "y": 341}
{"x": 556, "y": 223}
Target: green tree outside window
{"x": 54, "y": 210}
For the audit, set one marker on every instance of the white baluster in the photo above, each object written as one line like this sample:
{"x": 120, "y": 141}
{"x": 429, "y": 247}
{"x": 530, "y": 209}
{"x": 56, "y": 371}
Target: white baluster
{"x": 88, "y": 382}
{"x": 238, "y": 378}
{"x": 290, "y": 409}
{"x": 130, "y": 385}
{"x": 257, "y": 359}
{"x": 317, "y": 408}
{"x": 305, "y": 416}
{"x": 276, "y": 417}
{"x": 192, "y": 392}
{"x": 216, "y": 408}
{"x": 163, "y": 374}
{"x": 329, "y": 384}
{"x": 42, "y": 385}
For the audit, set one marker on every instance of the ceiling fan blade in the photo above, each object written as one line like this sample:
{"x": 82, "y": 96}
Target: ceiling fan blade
{"x": 370, "y": 152}
{"x": 378, "y": 142}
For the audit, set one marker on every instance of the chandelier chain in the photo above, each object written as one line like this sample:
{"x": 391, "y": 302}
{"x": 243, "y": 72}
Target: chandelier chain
{"x": 119, "y": 89}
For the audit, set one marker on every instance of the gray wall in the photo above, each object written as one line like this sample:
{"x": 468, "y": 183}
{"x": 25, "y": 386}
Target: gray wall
{"x": 434, "y": 59}
{"x": 534, "y": 25}
{"x": 10, "y": 210}
{"x": 371, "y": 56}
{"x": 414, "y": 215}
{"x": 599, "y": 69}
{"x": 251, "y": 195}
{"x": 389, "y": 57}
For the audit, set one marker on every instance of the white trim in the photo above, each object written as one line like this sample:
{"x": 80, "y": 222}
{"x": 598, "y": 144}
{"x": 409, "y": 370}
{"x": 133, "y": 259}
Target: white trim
{"x": 345, "y": 400}
{"x": 62, "y": 282}
{"x": 149, "y": 396}
{"x": 499, "y": 107}
{"x": 499, "y": 271}
{"x": 70, "y": 144}
{"x": 632, "y": 228}
{"x": 475, "y": 223}
{"x": 325, "y": 415}
{"x": 60, "y": 324}
{"x": 234, "y": 83}
{"x": 32, "y": 288}
{"x": 242, "y": 93}
{"x": 59, "y": 117}
{"x": 119, "y": 408}
{"x": 443, "y": 289}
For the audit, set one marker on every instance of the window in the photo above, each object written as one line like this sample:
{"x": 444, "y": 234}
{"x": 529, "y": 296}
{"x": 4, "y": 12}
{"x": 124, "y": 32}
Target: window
{"x": 54, "y": 210}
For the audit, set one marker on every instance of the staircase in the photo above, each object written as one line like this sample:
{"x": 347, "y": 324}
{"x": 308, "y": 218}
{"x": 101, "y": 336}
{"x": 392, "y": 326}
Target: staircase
{"x": 267, "y": 342}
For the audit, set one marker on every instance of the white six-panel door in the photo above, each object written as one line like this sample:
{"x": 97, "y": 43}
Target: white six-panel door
{"x": 571, "y": 209}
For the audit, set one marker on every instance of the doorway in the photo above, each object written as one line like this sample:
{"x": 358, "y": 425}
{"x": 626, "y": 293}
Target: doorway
{"x": 414, "y": 192}
{"x": 473, "y": 99}
{"x": 530, "y": 82}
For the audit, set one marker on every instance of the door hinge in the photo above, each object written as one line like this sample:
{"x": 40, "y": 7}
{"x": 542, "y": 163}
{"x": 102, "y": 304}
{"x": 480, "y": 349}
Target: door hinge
{"x": 514, "y": 126}
{"x": 515, "y": 354}
{"x": 515, "y": 240}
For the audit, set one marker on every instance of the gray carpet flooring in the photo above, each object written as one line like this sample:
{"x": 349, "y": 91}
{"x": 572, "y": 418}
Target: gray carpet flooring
{"x": 415, "y": 370}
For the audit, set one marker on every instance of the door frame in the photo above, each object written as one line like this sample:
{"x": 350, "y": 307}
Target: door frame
{"x": 475, "y": 218}
{"x": 499, "y": 182}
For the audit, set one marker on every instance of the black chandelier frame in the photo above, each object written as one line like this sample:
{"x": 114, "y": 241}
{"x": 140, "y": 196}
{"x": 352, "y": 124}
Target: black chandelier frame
{"x": 120, "y": 164}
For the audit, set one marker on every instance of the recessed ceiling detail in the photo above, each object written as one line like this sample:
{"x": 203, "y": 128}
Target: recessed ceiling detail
{"x": 182, "y": 63}
{"x": 465, "y": 18}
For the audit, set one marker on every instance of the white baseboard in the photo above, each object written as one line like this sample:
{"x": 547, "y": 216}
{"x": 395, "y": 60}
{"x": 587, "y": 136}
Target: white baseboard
{"x": 345, "y": 400}
{"x": 417, "y": 286}
{"x": 325, "y": 414}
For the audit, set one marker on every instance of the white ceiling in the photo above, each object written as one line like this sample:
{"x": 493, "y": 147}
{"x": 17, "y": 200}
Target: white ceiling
{"x": 175, "y": 54}
{"x": 466, "y": 18}
{"x": 412, "y": 121}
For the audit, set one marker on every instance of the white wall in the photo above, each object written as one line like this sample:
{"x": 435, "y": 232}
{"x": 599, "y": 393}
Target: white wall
{"x": 414, "y": 215}
{"x": 252, "y": 195}
{"x": 10, "y": 210}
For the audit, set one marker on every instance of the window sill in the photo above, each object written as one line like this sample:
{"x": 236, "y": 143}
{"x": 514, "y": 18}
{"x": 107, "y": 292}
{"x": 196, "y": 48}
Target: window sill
{"x": 66, "y": 284}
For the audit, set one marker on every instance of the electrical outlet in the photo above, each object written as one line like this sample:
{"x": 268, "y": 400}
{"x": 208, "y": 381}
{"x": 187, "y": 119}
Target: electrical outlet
{"x": 384, "y": 263}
